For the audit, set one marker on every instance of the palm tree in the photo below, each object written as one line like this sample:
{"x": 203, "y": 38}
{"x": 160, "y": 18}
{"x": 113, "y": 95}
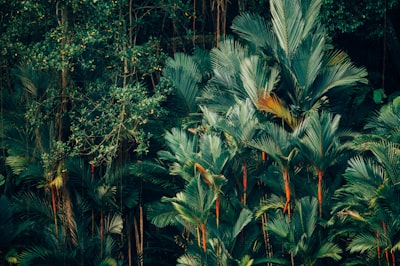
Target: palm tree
{"x": 298, "y": 44}
{"x": 299, "y": 235}
{"x": 384, "y": 124}
{"x": 319, "y": 142}
{"x": 369, "y": 203}
{"x": 190, "y": 209}
{"x": 239, "y": 126}
{"x": 280, "y": 146}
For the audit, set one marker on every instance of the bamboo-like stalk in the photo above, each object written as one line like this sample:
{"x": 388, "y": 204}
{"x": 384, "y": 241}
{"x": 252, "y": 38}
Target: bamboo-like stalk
{"x": 378, "y": 248}
{"x": 287, "y": 191}
{"x": 393, "y": 259}
{"x": 204, "y": 236}
{"x": 93, "y": 218}
{"x": 320, "y": 180}
{"x": 263, "y": 156}
{"x": 198, "y": 236}
{"x": 139, "y": 236}
{"x": 53, "y": 202}
{"x": 217, "y": 208}
{"x": 245, "y": 183}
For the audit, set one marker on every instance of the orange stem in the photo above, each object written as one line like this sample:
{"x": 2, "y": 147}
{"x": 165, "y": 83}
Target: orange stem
{"x": 393, "y": 259}
{"x": 320, "y": 178}
{"x": 263, "y": 156}
{"x": 202, "y": 171}
{"x": 217, "y": 206}
{"x": 203, "y": 233}
{"x": 378, "y": 248}
{"x": 287, "y": 190}
{"x": 53, "y": 201}
{"x": 387, "y": 255}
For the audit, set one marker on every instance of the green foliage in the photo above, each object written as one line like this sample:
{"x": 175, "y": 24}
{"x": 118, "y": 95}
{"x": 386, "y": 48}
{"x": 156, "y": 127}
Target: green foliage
{"x": 364, "y": 18}
{"x": 100, "y": 122}
{"x": 83, "y": 104}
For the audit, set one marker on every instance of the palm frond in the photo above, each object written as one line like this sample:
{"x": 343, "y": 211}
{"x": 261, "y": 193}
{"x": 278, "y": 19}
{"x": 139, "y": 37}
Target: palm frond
{"x": 306, "y": 66}
{"x": 186, "y": 76}
{"x": 307, "y": 213}
{"x": 108, "y": 262}
{"x": 33, "y": 206}
{"x": 255, "y": 75}
{"x": 213, "y": 152}
{"x": 245, "y": 217}
{"x": 161, "y": 214}
{"x": 310, "y": 11}
{"x": 319, "y": 142}
{"x": 388, "y": 154}
{"x": 288, "y": 24}
{"x": 18, "y": 164}
{"x": 386, "y": 122}
{"x": 33, "y": 81}
{"x": 277, "y": 143}
{"x": 239, "y": 123}
{"x": 188, "y": 260}
{"x": 364, "y": 242}
{"x": 228, "y": 56}
{"x": 253, "y": 28}
{"x": 270, "y": 103}
{"x": 113, "y": 224}
{"x": 34, "y": 255}
{"x": 274, "y": 202}
{"x": 340, "y": 71}
{"x": 280, "y": 227}
{"x": 329, "y": 250}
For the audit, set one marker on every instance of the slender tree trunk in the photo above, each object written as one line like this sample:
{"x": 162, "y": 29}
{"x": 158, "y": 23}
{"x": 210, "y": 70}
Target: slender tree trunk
{"x": 204, "y": 236}
{"x": 320, "y": 180}
{"x": 139, "y": 236}
{"x": 393, "y": 259}
{"x": 287, "y": 190}
{"x": 53, "y": 202}
{"x": 245, "y": 183}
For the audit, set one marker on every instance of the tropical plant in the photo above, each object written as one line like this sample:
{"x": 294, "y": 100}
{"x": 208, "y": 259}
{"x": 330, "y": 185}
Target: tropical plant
{"x": 280, "y": 146}
{"x": 319, "y": 143}
{"x": 300, "y": 235}
{"x": 309, "y": 67}
{"x": 368, "y": 202}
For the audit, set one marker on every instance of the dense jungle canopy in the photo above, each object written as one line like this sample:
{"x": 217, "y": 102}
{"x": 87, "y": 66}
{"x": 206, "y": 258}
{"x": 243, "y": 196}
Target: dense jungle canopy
{"x": 261, "y": 132}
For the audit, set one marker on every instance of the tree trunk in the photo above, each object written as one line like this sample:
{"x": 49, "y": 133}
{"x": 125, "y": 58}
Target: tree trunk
{"x": 320, "y": 179}
{"x": 287, "y": 190}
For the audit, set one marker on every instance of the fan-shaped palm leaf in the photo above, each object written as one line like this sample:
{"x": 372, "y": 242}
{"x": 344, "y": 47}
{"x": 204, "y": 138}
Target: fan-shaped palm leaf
{"x": 186, "y": 76}
{"x": 386, "y": 123}
{"x": 299, "y": 234}
{"x": 183, "y": 152}
{"x": 113, "y": 224}
{"x": 253, "y": 28}
{"x": 288, "y": 24}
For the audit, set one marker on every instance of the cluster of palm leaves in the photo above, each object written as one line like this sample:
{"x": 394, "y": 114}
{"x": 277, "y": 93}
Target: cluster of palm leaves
{"x": 261, "y": 171}
{"x": 271, "y": 176}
